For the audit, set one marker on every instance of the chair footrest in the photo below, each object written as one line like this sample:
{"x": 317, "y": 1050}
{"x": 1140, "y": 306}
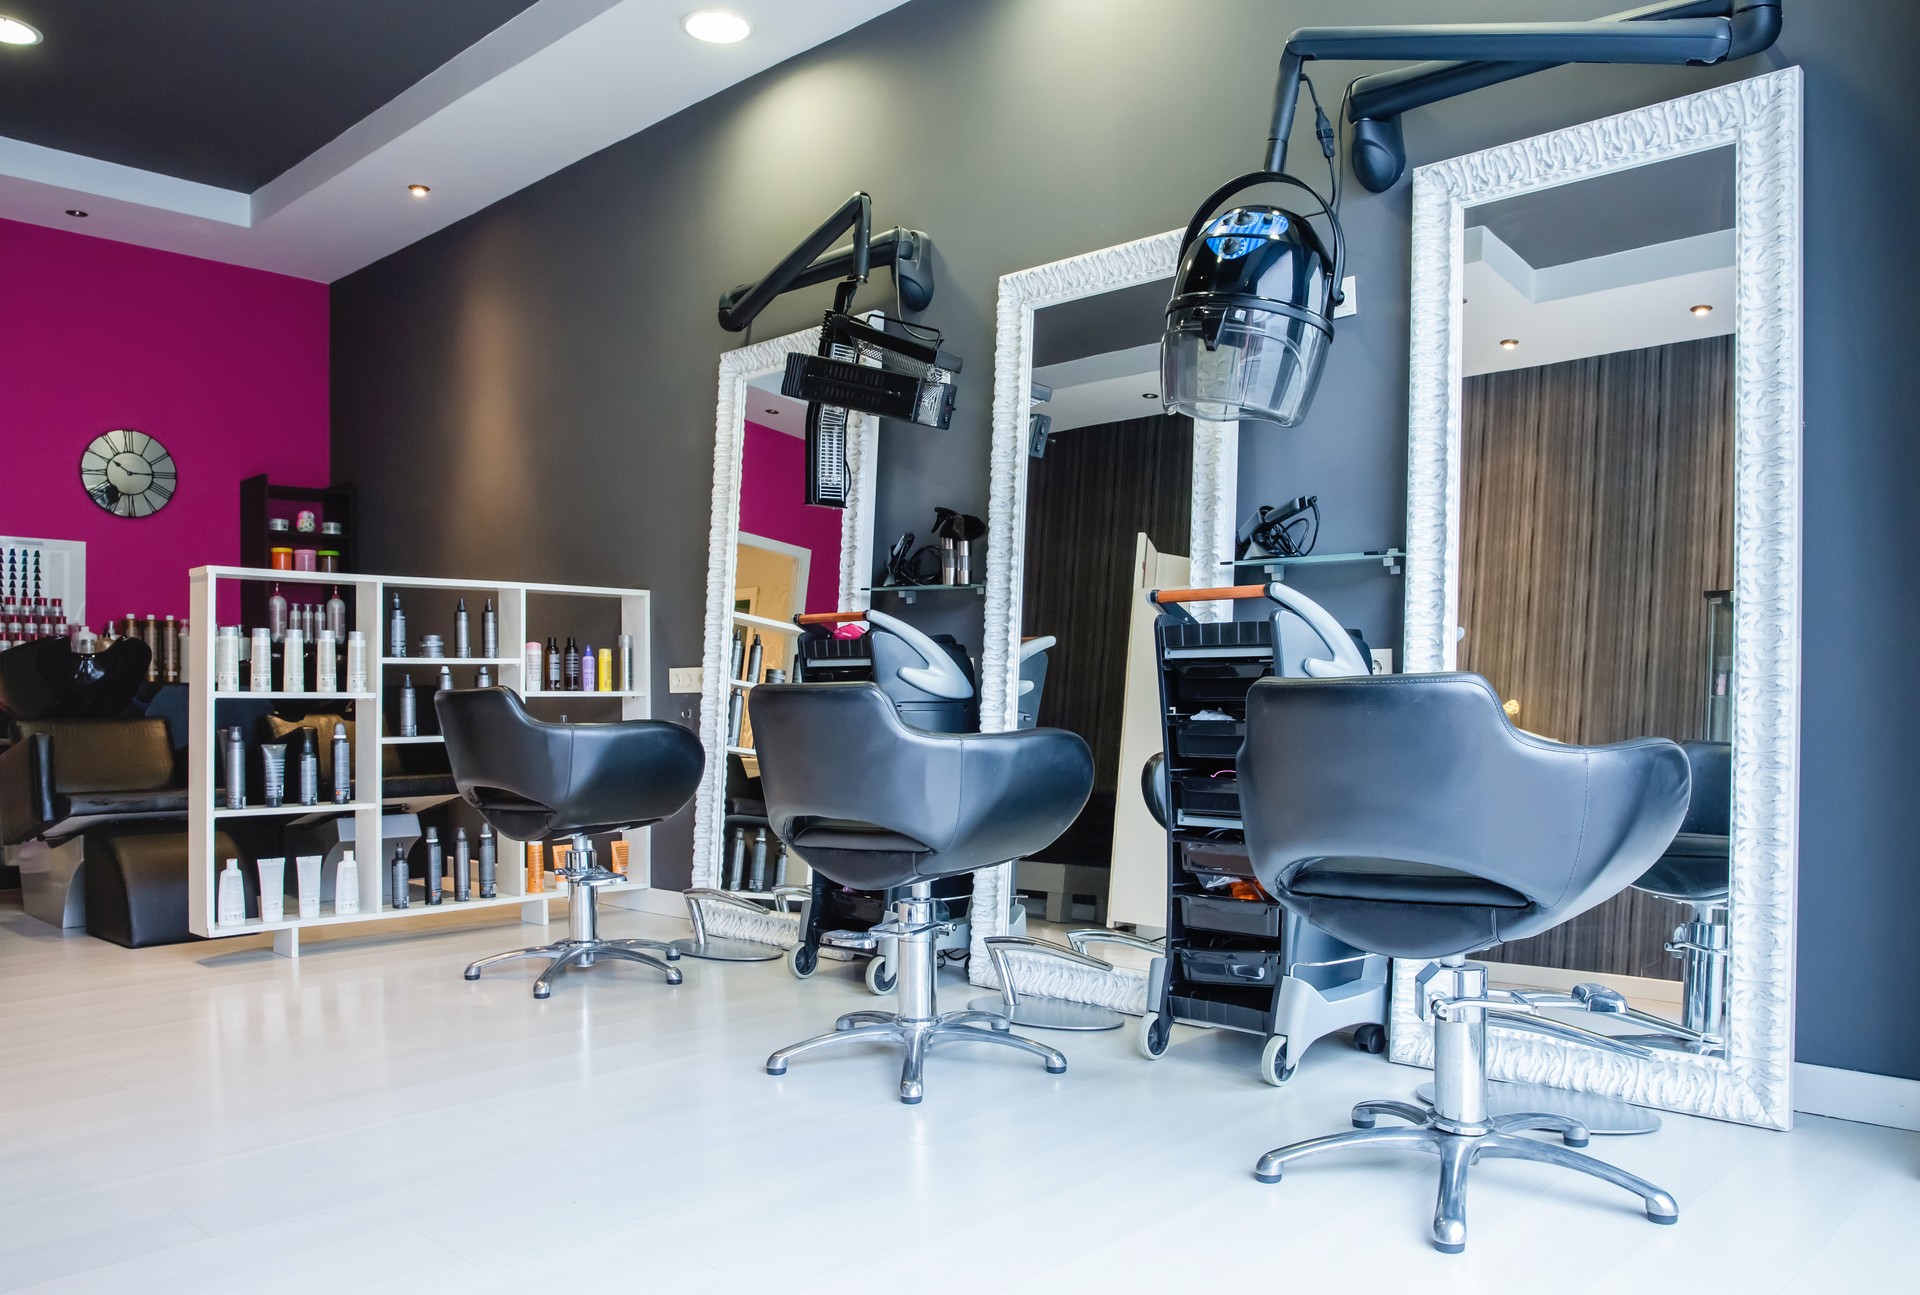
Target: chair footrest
{"x": 866, "y": 940}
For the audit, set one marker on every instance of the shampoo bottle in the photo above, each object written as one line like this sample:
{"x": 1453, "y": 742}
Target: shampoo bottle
{"x": 277, "y": 614}
{"x": 260, "y": 662}
{"x": 572, "y": 665}
{"x": 337, "y": 615}
{"x": 226, "y": 659}
{"x": 356, "y": 661}
{"x": 232, "y": 899}
{"x": 556, "y": 671}
{"x": 346, "y": 886}
{"x": 294, "y": 675}
{"x": 326, "y": 677}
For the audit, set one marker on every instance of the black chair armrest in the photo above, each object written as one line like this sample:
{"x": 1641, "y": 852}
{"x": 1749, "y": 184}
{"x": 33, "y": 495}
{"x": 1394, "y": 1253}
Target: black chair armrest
{"x": 27, "y": 801}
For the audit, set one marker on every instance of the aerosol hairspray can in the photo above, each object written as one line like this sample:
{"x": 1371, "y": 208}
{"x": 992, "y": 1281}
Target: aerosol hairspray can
{"x": 489, "y": 863}
{"x": 483, "y": 677}
{"x": 446, "y": 678}
{"x": 626, "y": 662}
{"x": 236, "y": 763}
{"x": 342, "y": 766}
{"x": 462, "y": 635}
{"x": 754, "y": 656}
{"x": 462, "y": 867}
{"x": 409, "y": 709}
{"x": 489, "y": 632}
{"x": 402, "y": 884}
{"x": 397, "y": 630}
{"x": 589, "y": 676}
{"x": 434, "y": 869}
{"x": 260, "y": 662}
{"x": 273, "y": 769}
{"x": 170, "y": 646}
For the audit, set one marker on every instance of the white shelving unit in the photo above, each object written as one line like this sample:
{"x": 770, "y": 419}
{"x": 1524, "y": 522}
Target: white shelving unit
{"x": 527, "y": 613}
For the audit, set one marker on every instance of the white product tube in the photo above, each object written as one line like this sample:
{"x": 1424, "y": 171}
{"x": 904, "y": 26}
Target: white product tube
{"x": 230, "y": 904}
{"x": 326, "y": 675}
{"x": 346, "y": 886}
{"x": 296, "y": 672}
{"x": 356, "y": 661}
{"x": 260, "y": 657}
{"x": 308, "y": 867}
{"x": 226, "y": 671}
{"x": 273, "y": 889}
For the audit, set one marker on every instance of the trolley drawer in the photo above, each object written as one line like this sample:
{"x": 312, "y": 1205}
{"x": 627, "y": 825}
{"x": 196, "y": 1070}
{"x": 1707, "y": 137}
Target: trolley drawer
{"x": 1220, "y": 858}
{"x": 1232, "y": 966}
{"x": 1206, "y": 795}
{"x": 1209, "y": 739}
{"x": 1203, "y": 685}
{"x": 1237, "y": 916}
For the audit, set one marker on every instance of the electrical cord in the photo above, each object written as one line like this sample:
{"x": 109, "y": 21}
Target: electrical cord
{"x": 1323, "y": 131}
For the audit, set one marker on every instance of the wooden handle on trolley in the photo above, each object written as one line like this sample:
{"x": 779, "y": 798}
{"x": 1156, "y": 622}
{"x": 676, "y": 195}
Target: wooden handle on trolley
{"x": 828, "y": 618}
{"x": 1221, "y": 594}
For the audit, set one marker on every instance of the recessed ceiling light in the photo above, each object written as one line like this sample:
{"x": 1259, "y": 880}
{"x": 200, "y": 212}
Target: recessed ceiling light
{"x": 773, "y": 411}
{"x": 716, "y": 26}
{"x": 1149, "y": 395}
{"x": 76, "y": 213}
{"x": 1509, "y": 343}
{"x": 1702, "y": 309}
{"x": 419, "y": 190}
{"x": 15, "y": 32}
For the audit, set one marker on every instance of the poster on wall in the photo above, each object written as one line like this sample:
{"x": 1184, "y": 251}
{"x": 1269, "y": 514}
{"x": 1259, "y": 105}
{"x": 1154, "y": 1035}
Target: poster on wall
{"x": 43, "y": 586}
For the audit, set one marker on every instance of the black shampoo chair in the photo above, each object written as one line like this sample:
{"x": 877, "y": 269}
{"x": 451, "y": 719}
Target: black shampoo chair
{"x": 1406, "y": 816}
{"x": 535, "y": 781}
{"x": 873, "y": 804}
{"x": 1696, "y": 870}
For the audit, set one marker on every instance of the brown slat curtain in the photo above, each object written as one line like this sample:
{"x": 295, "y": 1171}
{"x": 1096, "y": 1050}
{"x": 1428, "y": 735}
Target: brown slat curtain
{"x": 1597, "y": 509}
{"x": 1094, "y": 491}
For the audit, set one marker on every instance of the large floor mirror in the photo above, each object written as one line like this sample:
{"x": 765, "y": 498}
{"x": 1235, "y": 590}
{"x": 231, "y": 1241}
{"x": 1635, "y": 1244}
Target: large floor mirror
{"x": 770, "y": 557}
{"x": 1098, "y": 495}
{"x": 1603, "y": 521}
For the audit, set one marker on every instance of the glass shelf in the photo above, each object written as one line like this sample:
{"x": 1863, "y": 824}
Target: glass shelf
{"x": 1390, "y": 559}
{"x": 909, "y": 593}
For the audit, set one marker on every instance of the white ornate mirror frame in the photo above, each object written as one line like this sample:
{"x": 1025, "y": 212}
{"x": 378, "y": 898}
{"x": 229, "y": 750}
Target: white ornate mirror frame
{"x": 737, "y": 369}
{"x": 1216, "y": 453}
{"x": 1761, "y": 119}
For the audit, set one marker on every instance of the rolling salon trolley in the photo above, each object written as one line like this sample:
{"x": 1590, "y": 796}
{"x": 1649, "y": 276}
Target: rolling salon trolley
{"x": 1235, "y": 959}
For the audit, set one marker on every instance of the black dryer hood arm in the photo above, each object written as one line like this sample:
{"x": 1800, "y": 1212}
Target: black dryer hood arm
{"x": 816, "y": 260}
{"x": 1674, "y": 33}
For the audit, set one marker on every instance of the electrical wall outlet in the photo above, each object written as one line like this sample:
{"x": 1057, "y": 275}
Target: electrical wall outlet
{"x": 1350, "y": 288}
{"x": 1382, "y": 660}
{"x": 686, "y": 678}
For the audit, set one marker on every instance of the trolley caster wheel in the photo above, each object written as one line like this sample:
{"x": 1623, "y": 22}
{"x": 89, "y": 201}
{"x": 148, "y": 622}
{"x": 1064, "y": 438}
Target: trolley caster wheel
{"x": 881, "y": 979}
{"x": 1275, "y": 1067}
{"x": 1371, "y": 1038}
{"x": 674, "y": 977}
{"x": 1273, "y": 1177}
{"x": 1060, "y": 1069}
{"x": 672, "y": 954}
{"x": 802, "y": 961}
{"x": 1150, "y": 1040}
{"x": 470, "y": 974}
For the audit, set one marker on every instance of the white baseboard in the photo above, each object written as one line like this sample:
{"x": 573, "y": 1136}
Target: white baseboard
{"x": 1856, "y": 1095}
{"x": 665, "y": 903}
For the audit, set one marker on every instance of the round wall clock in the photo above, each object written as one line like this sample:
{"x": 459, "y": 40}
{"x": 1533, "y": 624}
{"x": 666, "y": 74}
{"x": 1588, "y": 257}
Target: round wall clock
{"x": 128, "y": 473}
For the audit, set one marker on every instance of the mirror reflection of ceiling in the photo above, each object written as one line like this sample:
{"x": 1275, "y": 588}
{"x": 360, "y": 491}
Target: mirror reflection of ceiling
{"x": 767, "y": 407}
{"x": 1611, "y": 264}
{"x": 1101, "y": 356}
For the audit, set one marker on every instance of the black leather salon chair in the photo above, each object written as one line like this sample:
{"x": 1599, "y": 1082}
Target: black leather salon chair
{"x": 1696, "y": 870}
{"x": 535, "y": 781}
{"x": 1405, "y": 815}
{"x": 876, "y": 805}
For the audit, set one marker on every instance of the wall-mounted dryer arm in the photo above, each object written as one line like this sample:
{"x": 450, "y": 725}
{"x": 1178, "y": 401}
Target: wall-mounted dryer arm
{"x": 908, "y": 251}
{"x": 1682, "y": 33}
{"x": 941, "y": 677}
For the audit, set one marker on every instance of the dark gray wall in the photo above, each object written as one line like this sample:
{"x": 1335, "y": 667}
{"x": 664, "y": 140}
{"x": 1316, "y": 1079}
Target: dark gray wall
{"x": 529, "y": 394}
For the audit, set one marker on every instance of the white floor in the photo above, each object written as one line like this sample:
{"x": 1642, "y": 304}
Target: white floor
{"x": 211, "y": 1118}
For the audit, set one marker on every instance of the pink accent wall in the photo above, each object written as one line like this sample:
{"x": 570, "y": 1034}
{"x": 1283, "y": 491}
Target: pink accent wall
{"x": 226, "y": 367}
{"x": 773, "y": 474}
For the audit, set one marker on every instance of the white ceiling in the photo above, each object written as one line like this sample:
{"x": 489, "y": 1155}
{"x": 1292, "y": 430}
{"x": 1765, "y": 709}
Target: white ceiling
{"x": 767, "y": 407}
{"x": 560, "y": 81}
{"x": 1622, "y": 302}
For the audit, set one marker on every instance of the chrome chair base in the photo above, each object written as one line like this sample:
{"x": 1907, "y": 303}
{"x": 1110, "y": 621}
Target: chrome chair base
{"x": 584, "y": 945}
{"x": 917, "y": 1036}
{"x": 1460, "y": 1126}
{"x": 917, "y": 1026}
{"x": 1460, "y": 1149}
{"x": 582, "y": 953}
